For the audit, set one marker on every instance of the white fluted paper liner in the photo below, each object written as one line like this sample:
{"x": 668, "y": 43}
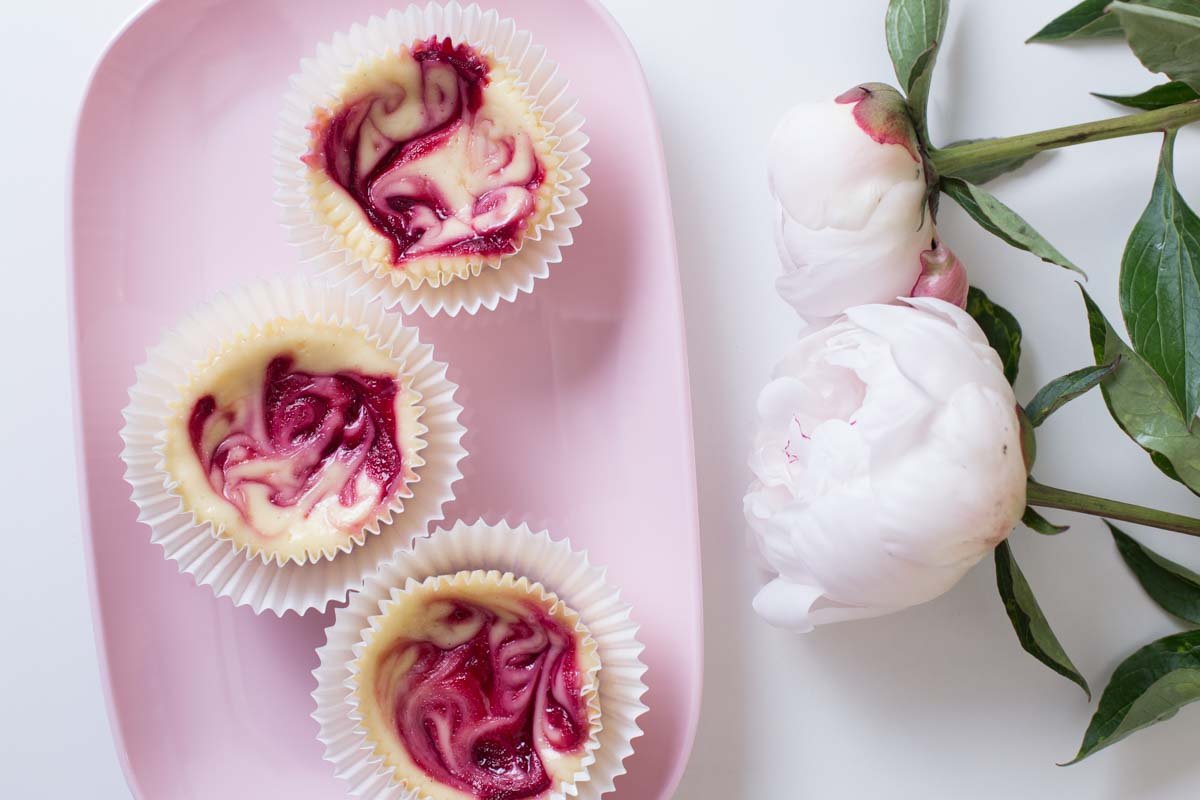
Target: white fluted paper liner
{"x": 316, "y": 86}
{"x": 231, "y": 570}
{"x": 565, "y": 572}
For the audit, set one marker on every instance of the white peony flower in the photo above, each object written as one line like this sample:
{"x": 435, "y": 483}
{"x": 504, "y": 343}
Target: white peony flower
{"x": 887, "y": 464}
{"x": 850, "y": 185}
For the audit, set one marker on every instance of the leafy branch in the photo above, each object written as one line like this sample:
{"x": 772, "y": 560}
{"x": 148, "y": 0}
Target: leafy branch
{"x": 1150, "y": 384}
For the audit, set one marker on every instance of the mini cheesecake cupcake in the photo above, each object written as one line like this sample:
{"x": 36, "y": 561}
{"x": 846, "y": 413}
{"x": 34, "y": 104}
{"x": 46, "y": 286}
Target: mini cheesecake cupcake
{"x": 434, "y": 156}
{"x": 285, "y": 439}
{"x": 433, "y": 165}
{"x": 479, "y": 685}
{"x": 295, "y": 439}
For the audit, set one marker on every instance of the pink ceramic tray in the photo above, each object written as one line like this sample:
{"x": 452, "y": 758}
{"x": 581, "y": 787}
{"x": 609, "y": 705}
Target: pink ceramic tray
{"x": 576, "y": 397}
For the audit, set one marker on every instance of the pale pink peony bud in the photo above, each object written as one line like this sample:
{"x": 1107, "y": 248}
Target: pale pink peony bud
{"x": 942, "y": 276}
{"x": 850, "y": 186}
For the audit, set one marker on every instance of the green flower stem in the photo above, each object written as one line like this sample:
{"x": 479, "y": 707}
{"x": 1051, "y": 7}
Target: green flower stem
{"x": 1049, "y": 497}
{"x": 954, "y": 159}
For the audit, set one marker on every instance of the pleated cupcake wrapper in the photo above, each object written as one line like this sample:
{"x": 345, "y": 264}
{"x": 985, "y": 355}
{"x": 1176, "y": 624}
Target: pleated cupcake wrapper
{"x": 316, "y": 86}
{"x": 233, "y": 570}
{"x": 479, "y": 546}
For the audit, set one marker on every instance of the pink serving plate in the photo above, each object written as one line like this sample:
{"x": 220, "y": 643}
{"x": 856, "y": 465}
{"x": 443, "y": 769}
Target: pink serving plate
{"x": 576, "y": 396}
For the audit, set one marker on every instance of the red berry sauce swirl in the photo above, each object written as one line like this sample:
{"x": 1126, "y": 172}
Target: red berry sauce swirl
{"x": 433, "y": 169}
{"x": 479, "y": 703}
{"x": 307, "y": 439}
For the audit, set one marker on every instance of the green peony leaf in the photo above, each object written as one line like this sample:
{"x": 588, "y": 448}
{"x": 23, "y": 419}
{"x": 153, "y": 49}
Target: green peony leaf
{"x": 1028, "y": 621}
{"x": 1060, "y": 391}
{"x": 1002, "y": 221}
{"x": 1164, "y": 464}
{"x": 1028, "y": 439}
{"x": 1166, "y": 41}
{"x": 1084, "y": 21}
{"x": 1094, "y": 18}
{"x": 982, "y": 173}
{"x": 1168, "y": 94}
{"x": 1160, "y": 287}
{"x": 1001, "y": 328}
{"x": 912, "y": 27}
{"x": 1148, "y": 687}
{"x": 1187, "y": 7}
{"x": 1039, "y": 524}
{"x": 1141, "y": 404}
{"x": 1173, "y": 586}
{"x": 918, "y": 94}
{"x": 914, "y": 30}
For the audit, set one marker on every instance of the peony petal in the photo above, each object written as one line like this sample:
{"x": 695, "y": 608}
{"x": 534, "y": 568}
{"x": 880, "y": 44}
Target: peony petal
{"x": 777, "y": 403}
{"x": 786, "y": 605}
{"x": 953, "y": 314}
{"x": 826, "y": 172}
{"x": 800, "y": 608}
{"x": 891, "y": 417}
{"x": 769, "y": 464}
{"x": 827, "y": 612}
{"x": 837, "y": 457}
{"x": 828, "y": 270}
{"x": 923, "y": 344}
{"x": 961, "y": 492}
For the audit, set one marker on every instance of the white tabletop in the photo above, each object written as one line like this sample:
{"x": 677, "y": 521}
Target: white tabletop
{"x": 936, "y": 702}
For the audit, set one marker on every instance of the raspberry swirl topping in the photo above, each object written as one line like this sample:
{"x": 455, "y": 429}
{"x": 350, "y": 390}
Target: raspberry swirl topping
{"x": 439, "y": 164}
{"x": 324, "y": 444}
{"x": 296, "y": 438}
{"x": 485, "y": 695}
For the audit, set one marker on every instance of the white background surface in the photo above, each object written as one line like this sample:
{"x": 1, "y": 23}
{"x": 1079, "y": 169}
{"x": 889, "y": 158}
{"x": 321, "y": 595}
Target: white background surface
{"x": 938, "y": 702}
